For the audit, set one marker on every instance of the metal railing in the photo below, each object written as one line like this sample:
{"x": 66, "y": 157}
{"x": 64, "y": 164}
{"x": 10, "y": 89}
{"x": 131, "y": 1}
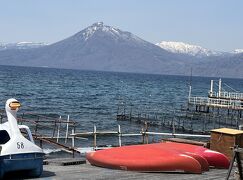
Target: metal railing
{"x": 144, "y": 133}
{"x": 227, "y": 95}
{"x": 224, "y": 103}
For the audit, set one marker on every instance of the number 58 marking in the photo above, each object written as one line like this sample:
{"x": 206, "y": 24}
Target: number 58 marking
{"x": 20, "y": 145}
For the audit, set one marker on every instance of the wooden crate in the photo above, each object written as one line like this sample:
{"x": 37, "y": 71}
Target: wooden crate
{"x": 224, "y": 139}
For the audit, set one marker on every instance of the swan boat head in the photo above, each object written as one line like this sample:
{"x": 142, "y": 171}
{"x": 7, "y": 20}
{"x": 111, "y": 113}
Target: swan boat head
{"x": 16, "y": 143}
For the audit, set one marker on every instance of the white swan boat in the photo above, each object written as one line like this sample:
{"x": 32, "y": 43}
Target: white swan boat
{"x": 18, "y": 152}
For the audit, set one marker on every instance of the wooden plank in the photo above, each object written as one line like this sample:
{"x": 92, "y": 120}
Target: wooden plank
{"x": 55, "y": 143}
{"x": 187, "y": 141}
{"x": 97, "y": 133}
{"x": 65, "y": 161}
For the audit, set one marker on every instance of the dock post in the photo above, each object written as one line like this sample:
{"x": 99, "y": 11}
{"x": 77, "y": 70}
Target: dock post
{"x": 119, "y": 135}
{"x": 173, "y": 119}
{"x": 146, "y": 130}
{"x": 220, "y": 87}
{"x": 95, "y": 137}
{"x": 40, "y": 143}
{"x": 54, "y": 129}
{"x": 73, "y": 139}
{"x": 191, "y": 124}
{"x": 67, "y": 130}
{"x": 58, "y": 128}
{"x": 173, "y": 129}
{"x": 143, "y": 138}
{"x": 73, "y": 153}
{"x": 36, "y": 128}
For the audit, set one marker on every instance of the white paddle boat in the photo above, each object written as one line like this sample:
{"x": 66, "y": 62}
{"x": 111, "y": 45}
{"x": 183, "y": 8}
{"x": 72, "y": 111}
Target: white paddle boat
{"x": 18, "y": 152}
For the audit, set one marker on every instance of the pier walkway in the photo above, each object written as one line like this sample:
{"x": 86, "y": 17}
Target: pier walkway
{"x": 78, "y": 169}
{"x": 88, "y": 172}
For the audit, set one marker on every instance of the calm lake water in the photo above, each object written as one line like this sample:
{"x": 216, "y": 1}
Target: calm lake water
{"x": 91, "y": 97}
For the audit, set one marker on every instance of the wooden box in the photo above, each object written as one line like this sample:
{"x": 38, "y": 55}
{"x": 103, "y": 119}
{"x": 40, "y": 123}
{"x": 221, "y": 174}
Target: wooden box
{"x": 224, "y": 139}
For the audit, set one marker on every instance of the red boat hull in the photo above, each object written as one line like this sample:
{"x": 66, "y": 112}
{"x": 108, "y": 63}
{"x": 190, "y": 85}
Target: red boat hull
{"x": 147, "y": 158}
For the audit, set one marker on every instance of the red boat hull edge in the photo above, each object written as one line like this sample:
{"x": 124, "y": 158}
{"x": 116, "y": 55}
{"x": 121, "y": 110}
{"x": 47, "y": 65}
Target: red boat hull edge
{"x": 203, "y": 162}
{"x": 147, "y": 158}
{"x": 214, "y": 158}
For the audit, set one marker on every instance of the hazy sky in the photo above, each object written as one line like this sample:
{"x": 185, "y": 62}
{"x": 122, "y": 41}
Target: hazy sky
{"x": 214, "y": 24}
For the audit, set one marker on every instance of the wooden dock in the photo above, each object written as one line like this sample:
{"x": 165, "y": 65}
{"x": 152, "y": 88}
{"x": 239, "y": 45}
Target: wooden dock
{"x": 55, "y": 169}
{"x": 88, "y": 172}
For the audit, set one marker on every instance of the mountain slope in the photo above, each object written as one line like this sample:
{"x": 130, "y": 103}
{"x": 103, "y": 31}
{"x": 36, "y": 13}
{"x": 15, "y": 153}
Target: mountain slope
{"x": 99, "y": 47}
{"x": 221, "y": 66}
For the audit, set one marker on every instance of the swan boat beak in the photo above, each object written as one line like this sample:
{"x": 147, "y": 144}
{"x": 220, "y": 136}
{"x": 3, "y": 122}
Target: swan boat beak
{"x": 14, "y": 105}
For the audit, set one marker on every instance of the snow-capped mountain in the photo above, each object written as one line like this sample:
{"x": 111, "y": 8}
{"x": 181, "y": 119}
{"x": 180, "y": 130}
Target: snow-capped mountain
{"x": 237, "y": 51}
{"x": 21, "y": 45}
{"x": 183, "y": 48}
{"x": 105, "y": 48}
{"x": 109, "y": 31}
{"x": 97, "y": 47}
